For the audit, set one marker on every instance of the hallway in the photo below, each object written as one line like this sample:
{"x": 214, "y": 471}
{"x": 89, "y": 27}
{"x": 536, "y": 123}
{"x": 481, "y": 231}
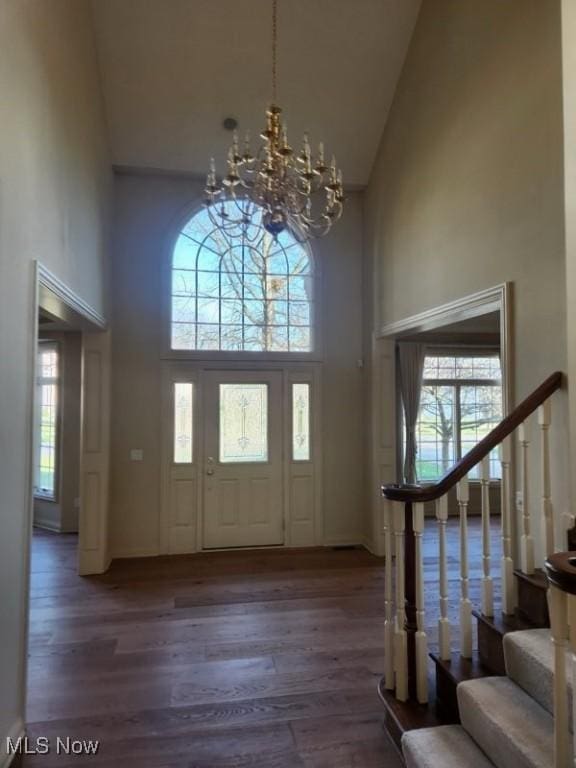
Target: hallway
{"x": 266, "y": 658}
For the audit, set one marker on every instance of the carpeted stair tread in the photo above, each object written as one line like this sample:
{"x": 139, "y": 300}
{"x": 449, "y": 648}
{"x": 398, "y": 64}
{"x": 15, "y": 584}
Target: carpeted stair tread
{"x": 529, "y": 657}
{"x": 511, "y": 728}
{"x": 448, "y": 746}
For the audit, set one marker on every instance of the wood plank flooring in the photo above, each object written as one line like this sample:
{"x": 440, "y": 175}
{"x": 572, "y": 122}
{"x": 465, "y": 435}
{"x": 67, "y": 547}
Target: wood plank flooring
{"x": 261, "y": 659}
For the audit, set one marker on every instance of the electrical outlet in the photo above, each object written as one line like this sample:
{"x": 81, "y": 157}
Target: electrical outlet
{"x": 519, "y": 501}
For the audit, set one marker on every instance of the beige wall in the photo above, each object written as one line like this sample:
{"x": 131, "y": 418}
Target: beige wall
{"x": 54, "y": 195}
{"x": 569, "y": 83}
{"x": 61, "y": 515}
{"x": 148, "y": 208}
{"x": 467, "y": 189}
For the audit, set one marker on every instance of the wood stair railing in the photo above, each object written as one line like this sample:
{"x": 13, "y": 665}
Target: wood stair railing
{"x": 405, "y": 638}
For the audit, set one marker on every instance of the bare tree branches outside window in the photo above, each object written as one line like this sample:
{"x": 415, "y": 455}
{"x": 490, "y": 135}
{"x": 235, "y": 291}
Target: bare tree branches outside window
{"x": 461, "y": 402}
{"x": 240, "y": 291}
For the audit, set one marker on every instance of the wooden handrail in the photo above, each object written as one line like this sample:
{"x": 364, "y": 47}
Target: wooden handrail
{"x": 417, "y": 493}
{"x": 561, "y": 571}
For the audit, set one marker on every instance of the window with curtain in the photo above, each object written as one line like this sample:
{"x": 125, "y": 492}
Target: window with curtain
{"x": 242, "y": 290}
{"x": 461, "y": 401}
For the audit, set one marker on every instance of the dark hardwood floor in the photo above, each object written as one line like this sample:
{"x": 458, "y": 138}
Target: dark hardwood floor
{"x": 266, "y": 659}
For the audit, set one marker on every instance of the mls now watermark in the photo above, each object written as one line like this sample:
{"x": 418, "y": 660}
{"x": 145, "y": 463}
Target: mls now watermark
{"x": 45, "y": 746}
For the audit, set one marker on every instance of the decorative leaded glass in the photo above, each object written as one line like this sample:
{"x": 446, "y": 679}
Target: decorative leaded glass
{"x": 183, "y": 416}
{"x": 301, "y": 422}
{"x": 243, "y": 423}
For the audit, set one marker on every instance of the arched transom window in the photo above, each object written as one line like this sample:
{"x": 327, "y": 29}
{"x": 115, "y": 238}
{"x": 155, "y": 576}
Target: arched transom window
{"x": 240, "y": 291}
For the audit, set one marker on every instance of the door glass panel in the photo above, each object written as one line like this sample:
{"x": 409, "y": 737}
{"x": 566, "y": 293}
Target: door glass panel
{"x": 243, "y": 423}
{"x": 301, "y": 422}
{"x": 183, "y": 423}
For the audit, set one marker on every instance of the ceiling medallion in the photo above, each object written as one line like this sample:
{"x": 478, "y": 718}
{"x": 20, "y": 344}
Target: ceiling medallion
{"x": 288, "y": 189}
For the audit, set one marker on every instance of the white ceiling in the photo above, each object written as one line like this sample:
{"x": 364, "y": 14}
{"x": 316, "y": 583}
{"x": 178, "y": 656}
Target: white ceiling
{"x": 172, "y": 70}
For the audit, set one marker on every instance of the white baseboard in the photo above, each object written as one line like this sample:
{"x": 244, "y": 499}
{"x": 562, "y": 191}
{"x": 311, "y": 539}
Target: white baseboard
{"x": 344, "y": 541}
{"x": 16, "y": 732}
{"x": 47, "y": 524}
{"x": 126, "y": 554}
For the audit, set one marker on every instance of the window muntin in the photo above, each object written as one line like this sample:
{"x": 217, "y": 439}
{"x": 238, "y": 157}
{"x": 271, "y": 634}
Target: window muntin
{"x": 461, "y": 401}
{"x": 242, "y": 291}
{"x": 183, "y": 422}
{"x": 301, "y": 422}
{"x": 47, "y": 416}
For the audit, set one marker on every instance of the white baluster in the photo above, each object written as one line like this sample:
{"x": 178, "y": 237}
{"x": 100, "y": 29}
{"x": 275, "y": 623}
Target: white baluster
{"x": 443, "y": 621}
{"x": 465, "y": 604}
{"x": 388, "y": 599}
{"x": 507, "y": 562}
{"x": 400, "y": 638}
{"x": 487, "y": 584}
{"x": 421, "y": 638}
{"x": 544, "y": 420}
{"x": 559, "y": 629}
{"x": 526, "y": 542}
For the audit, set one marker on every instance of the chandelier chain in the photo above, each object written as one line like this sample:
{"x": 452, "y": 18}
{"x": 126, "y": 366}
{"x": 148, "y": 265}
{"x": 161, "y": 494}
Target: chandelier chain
{"x": 274, "y": 49}
{"x": 290, "y": 189}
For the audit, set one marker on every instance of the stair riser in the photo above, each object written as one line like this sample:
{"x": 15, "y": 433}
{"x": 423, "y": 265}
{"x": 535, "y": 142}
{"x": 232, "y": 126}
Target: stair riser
{"x": 533, "y": 603}
{"x": 446, "y": 699}
{"x": 490, "y": 648}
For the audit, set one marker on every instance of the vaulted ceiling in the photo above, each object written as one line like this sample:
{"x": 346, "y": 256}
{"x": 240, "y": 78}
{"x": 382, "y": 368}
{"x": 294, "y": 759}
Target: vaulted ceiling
{"x": 172, "y": 70}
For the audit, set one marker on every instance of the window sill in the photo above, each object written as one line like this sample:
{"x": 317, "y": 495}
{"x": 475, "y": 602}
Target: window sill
{"x": 44, "y": 497}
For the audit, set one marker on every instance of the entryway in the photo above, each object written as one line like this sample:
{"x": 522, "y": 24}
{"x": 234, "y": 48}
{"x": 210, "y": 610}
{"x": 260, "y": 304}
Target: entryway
{"x": 241, "y": 456}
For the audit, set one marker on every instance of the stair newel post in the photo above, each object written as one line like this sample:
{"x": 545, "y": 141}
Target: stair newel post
{"x": 463, "y": 497}
{"x": 507, "y": 562}
{"x": 400, "y": 636}
{"x": 421, "y": 639}
{"x": 487, "y": 583}
{"x": 526, "y": 542}
{"x": 388, "y": 599}
{"x": 559, "y": 628}
{"x": 443, "y": 621}
{"x": 544, "y": 421}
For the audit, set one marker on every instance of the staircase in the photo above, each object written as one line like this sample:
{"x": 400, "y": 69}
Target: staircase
{"x": 505, "y": 721}
{"x": 504, "y": 703}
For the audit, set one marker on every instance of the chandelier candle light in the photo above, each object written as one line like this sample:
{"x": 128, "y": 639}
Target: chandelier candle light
{"x": 290, "y": 190}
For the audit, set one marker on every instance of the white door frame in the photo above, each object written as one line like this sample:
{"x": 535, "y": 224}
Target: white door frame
{"x": 64, "y": 302}
{"x": 52, "y": 294}
{"x": 383, "y": 461}
{"x": 303, "y": 524}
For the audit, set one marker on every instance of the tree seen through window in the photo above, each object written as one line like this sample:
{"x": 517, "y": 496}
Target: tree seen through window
{"x": 461, "y": 401}
{"x": 242, "y": 290}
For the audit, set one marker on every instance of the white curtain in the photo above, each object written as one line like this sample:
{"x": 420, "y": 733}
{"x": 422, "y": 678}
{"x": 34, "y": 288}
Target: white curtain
{"x": 411, "y": 364}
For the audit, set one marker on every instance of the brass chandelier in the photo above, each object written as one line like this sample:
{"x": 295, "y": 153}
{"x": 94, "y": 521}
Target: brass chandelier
{"x": 291, "y": 190}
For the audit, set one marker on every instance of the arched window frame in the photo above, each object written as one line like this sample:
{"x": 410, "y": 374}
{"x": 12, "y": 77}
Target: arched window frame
{"x": 167, "y": 352}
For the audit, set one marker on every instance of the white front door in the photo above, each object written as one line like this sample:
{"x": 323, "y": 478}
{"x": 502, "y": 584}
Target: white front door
{"x": 243, "y": 479}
